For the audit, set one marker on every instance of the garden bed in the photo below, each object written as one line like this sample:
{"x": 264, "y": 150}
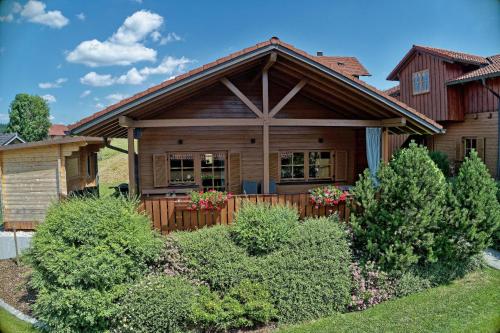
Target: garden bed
{"x": 13, "y": 286}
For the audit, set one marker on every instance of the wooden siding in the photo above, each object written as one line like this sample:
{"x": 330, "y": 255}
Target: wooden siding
{"x": 396, "y": 141}
{"x": 482, "y": 127}
{"x": 477, "y": 98}
{"x": 172, "y": 214}
{"x": 33, "y": 178}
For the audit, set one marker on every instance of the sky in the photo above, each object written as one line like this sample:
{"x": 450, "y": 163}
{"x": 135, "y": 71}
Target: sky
{"x": 82, "y": 55}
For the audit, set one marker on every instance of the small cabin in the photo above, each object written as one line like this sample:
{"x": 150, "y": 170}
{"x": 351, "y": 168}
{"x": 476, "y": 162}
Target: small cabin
{"x": 35, "y": 174}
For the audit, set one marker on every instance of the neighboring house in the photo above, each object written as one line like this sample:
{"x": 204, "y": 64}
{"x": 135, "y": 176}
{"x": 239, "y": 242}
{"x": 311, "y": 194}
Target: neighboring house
{"x": 57, "y": 131}
{"x": 10, "y": 139}
{"x": 269, "y": 115}
{"x": 460, "y": 91}
{"x": 34, "y": 174}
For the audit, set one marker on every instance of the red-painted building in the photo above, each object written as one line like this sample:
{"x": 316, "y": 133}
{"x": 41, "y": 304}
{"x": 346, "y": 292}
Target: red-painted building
{"x": 460, "y": 91}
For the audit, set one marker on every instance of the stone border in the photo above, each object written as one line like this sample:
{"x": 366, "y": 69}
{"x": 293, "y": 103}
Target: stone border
{"x": 18, "y": 314}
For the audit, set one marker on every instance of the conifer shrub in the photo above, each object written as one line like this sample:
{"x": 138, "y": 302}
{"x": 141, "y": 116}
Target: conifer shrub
{"x": 396, "y": 222}
{"x": 474, "y": 212}
{"x": 441, "y": 160}
{"x": 84, "y": 256}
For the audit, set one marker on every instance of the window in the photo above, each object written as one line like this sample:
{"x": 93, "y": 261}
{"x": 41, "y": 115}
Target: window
{"x": 319, "y": 165}
{"x": 181, "y": 168}
{"x": 213, "y": 171}
{"x": 72, "y": 166}
{"x": 294, "y": 165}
{"x": 469, "y": 145}
{"x": 421, "y": 82}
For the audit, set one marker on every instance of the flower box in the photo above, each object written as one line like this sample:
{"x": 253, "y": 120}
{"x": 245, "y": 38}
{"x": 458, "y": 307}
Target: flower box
{"x": 327, "y": 196}
{"x": 211, "y": 200}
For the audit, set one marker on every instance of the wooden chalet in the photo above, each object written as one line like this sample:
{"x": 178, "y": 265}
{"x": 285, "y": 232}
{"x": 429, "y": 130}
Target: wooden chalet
{"x": 268, "y": 119}
{"x": 458, "y": 90}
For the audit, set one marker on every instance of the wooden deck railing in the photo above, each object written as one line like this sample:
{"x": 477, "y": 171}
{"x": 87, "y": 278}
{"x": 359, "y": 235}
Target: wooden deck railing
{"x": 173, "y": 214}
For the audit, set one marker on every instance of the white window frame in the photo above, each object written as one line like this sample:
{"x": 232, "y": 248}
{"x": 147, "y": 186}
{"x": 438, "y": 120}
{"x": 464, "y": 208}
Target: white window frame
{"x": 419, "y": 78}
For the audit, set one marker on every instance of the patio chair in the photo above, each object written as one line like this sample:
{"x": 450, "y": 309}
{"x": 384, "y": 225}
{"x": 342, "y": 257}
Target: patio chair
{"x": 250, "y": 187}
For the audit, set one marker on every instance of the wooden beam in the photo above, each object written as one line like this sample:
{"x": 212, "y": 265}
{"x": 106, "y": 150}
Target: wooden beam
{"x": 270, "y": 62}
{"x": 265, "y": 93}
{"x": 194, "y": 122}
{"x": 131, "y": 162}
{"x": 385, "y": 145}
{"x": 241, "y": 96}
{"x": 394, "y": 122}
{"x": 277, "y": 108}
{"x": 325, "y": 122}
{"x": 265, "y": 150}
{"x": 125, "y": 121}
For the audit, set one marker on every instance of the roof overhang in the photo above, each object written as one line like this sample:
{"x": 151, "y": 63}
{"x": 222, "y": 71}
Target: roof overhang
{"x": 49, "y": 142}
{"x": 427, "y": 124}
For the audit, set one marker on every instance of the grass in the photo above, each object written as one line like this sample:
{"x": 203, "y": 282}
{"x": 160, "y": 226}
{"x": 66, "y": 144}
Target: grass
{"x": 113, "y": 167}
{"x": 10, "y": 324}
{"x": 468, "y": 305}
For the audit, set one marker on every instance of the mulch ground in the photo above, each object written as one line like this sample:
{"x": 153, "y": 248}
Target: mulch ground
{"x": 14, "y": 286}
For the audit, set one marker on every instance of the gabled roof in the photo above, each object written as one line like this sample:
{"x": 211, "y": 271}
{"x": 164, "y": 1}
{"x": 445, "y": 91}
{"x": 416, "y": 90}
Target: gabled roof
{"x": 48, "y": 142}
{"x": 7, "y": 138}
{"x": 392, "y": 91}
{"x": 263, "y": 48}
{"x": 488, "y": 71}
{"x": 449, "y": 55}
{"x": 58, "y": 130}
{"x": 348, "y": 64}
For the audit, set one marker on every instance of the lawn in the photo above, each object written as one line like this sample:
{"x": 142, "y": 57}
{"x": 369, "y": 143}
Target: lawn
{"x": 113, "y": 167}
{"x": 468, "y": 305}
{"x": 10, "y": 324}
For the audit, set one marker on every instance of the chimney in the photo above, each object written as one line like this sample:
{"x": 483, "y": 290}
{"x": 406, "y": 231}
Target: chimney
{"x": 319, "y": 53}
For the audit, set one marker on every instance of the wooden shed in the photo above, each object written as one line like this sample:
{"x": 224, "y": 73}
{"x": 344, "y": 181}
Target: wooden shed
{"x": 35, "y": 174}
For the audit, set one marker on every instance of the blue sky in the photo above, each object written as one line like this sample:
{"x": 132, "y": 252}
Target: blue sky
{"x": 84, "y": 55}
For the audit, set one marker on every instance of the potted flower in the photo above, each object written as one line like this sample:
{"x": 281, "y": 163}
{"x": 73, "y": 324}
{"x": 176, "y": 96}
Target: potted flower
{"x": 329, "y": 195}
{"x": 211, "y": 200}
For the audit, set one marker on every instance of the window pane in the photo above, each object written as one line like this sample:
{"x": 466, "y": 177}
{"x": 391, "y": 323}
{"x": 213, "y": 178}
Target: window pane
{"x": 188, "y": 163}
{"x": 286, "y": 172}
{"x": 298, "y": 172}
{"x": 188, "y": 176}
{"x": 286, "y": 159}
{"x": 175, "y": 176}
{"x": 175, "y": 163}
{"x": 298, "y": 158}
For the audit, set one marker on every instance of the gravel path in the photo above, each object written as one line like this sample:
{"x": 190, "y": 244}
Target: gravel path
{"x": 13, "y": 286}
{"x": 492, "y": 257}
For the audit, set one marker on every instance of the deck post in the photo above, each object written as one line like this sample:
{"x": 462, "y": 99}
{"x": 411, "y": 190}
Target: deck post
{"x": 385, "y": 145}
{"x": 131, "y": 162}
{"x": 265, "y": 130}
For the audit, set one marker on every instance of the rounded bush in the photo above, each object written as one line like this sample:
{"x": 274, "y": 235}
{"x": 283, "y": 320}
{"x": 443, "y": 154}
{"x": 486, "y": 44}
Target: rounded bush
{"x": 210, "y": 255}
{"x": 156, "y": 304}
{"x": 309, "y": 277}
{"x": 89, "y": 247}
{"x": 262, "y": 228}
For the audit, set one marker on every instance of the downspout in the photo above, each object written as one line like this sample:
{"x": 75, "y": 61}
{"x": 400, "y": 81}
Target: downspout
{"x": 108, "y": 145}
{"x": 483, "y": 82}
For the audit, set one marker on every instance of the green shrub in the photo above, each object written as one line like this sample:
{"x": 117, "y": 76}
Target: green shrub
{"x": 407, "y": 283}
{"x": 371, "y": 286}
{"x": 262, "y": 228}
{"x": 246, "y": 305}
{"x": 474, "y": 212}
{"x": 83, "y": 256}
{"x": 441, "y": 161}
{"x": 210, "y": 255}
{"x": 156, "y": 304}
{"x": 397, "y": 228}
{"x": 309, "y": 277}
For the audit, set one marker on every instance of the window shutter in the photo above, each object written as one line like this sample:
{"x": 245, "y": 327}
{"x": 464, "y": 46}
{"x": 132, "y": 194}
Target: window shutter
{"x": 460, "y": 148}
{"x": 481, "y": 148}
{"x": 274, "y": 171}
{"x": 340, "y": 165}
{"x": 160, "y": 170}
{"x": 235, "y": 173}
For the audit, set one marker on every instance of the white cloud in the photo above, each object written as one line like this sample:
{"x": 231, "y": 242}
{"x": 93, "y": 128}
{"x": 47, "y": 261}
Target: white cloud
{"x": 81, "y": 16}
{"x": 156, "y": 35}
{"x": 99, "y": 106}
{"x": 97, "y": 80}
{"x": 116, "y": 97}
{"x": 34, "y": 11}
{"x": 124, "y": 47}
{"x": 4, "y": 117}
{"x": 168, "y": 66}
{"x": 16, "y": 7}
{"x": 7, "y": 18}
{"x": 171, "y": 37}
{"x": 85, "y": 93}
{"x": 51, "y": 117}
{"x": 56, "y": 84}
{"x": 49, "y": 98}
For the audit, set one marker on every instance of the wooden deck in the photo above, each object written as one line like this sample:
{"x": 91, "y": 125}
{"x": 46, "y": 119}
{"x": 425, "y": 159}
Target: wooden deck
{"x": 173, "y": 214}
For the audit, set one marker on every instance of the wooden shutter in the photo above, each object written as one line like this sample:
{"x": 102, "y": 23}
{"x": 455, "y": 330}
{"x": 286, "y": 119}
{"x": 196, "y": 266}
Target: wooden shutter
{"x": 160, "y": 170}
{"x": 481, "y": 148}
{"x": 274, "y": 172}
{"x": 235, "y": 173}
{"x": 340, "y": 165}
{"x": 460, "y": 147}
